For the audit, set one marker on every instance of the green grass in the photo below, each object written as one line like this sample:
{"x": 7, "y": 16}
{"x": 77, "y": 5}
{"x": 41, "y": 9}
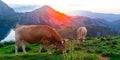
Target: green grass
{"x": 7, "y": 53}
{"x": 114, "y": 58}
{"x": 31, "y": 56}
{"x": 88, "y": 50}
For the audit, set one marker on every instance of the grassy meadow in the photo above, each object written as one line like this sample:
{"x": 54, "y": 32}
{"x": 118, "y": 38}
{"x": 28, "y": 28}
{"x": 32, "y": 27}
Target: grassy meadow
{"x": 103, "y": 48}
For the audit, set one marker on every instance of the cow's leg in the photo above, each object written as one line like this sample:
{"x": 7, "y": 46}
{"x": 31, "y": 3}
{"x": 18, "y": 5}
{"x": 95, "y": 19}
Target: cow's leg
{"x": 78, "y": 40}
{"x": 23, "y": 47}
{"x": 17, "y": 43}
{"x": 83, "y": 39}
{"x": 41, "y": 46}
{"x": 48, "y": 49}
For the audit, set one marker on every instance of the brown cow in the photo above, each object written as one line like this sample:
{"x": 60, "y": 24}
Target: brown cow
{"x": 42, "y": 34}
{"x": 81, "y": 33}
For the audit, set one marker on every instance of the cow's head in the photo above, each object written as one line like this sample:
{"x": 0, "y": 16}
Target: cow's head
{"x": 61, "y": 45}
{"x": 81, "y": 40}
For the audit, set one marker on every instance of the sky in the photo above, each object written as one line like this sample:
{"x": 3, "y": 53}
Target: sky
{"x": 65, "y": 6}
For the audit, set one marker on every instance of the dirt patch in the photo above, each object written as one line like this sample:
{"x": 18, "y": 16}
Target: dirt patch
{"x": 100, "y": 57}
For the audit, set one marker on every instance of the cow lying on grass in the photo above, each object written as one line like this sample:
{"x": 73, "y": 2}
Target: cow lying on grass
{"x": 42, "y": 34}
{"x": 81, "y": 33}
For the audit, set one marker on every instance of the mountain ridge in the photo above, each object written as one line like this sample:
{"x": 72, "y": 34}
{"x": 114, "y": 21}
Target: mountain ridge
{"x": 107, "y": 16}
{"x": 5, "y": 10}
{"x": 45, "y": 15}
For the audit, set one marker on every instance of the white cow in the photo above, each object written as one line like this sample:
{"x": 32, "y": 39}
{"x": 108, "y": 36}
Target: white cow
{"x": 81, "y": 33}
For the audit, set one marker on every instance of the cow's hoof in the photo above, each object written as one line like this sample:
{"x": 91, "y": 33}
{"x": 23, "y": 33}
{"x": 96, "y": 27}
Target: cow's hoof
{"x": 57, "y": 52}
{"x": 16, "y": 54}
{"x": 25, "y": 52}
{"x": 39, "y": 52}
{"x": 49, "y": 53}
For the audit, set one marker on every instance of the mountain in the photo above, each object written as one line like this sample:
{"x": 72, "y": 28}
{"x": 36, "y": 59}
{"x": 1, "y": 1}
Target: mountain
{"x": 117, "y": 22}
{"x": 5, "y": 10}
{"x": 66, "y": 25}
{"x": 45, "y": 16}
{"x": 95, "y": 27}
{"x": 108, "y": 17}
{"x": 81, "y": 20}
{"x": 7, "y": 19}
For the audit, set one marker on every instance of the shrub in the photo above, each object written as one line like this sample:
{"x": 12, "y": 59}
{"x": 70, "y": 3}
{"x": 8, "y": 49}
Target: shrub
{"x": 1, "y": 44}
{"x": 9, "y": 42}
{"x": 102, "y": 39}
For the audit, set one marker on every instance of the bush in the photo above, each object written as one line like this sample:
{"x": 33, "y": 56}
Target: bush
{"x": 9, "y": 42}
{"x": 1, "y": 44}
{"x": 102, "y": 39}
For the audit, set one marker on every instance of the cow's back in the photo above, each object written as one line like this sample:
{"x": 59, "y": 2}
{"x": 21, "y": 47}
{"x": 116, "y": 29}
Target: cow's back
{"x": 82, "y": 31}
{"x": 35, "y": 33}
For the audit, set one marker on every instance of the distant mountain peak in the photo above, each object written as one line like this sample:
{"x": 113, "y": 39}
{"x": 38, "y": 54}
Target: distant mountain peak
{"x": 5, "y": 10}
{"x": 46, "y": 15}
{"x": 47, "y": 7}
{"x": 44, "y": 8}
{"x": 107, "y": 16}
{"x": 4, "y": 5}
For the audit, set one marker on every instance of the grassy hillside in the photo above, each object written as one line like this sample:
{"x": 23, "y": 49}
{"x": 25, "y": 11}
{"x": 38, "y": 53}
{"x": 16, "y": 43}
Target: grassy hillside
{"x": 91, "y": 49}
